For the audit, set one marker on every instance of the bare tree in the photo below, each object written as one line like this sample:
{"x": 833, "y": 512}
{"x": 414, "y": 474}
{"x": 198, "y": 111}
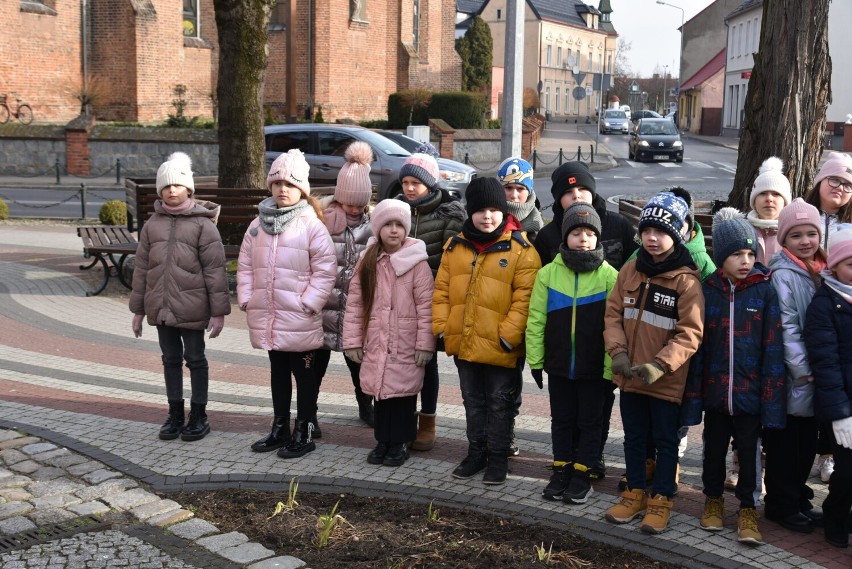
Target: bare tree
{"x": 243, "y": 55}
{"x": 788, "y": 95}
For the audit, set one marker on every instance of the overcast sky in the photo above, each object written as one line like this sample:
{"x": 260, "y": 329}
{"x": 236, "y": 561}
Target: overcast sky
{"x": 653, "y": 31}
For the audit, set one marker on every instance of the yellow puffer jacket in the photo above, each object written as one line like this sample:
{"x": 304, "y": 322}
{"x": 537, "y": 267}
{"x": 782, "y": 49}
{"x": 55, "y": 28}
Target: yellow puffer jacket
{"x": 481, "y": 297}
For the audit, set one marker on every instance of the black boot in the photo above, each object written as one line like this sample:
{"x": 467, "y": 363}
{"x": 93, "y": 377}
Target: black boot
{"x": 174, "y": 424}
{"x": 197, "y": 427}
{"x": 365, "y": 408}
{"x": 377, "y": 455}
{"x": 397, "y": 454}
{"x": 498, "y": 468}
{"x": 278, "y": 437}
{"x": 475, "y": 461}
{"x": 302, "y": 442}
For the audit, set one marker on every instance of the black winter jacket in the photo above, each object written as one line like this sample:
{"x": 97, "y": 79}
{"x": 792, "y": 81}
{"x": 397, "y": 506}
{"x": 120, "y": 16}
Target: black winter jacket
{"x": 829, "y": 345}
{"x": 617, "y": 238}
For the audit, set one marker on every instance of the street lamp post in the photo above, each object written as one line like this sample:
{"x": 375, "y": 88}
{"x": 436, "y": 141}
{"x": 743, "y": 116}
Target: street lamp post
{"x": 665, "y": 97}
{"x": 680, "y": 55}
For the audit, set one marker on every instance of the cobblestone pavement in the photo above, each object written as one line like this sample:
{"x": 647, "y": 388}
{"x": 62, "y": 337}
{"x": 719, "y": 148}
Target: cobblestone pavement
{"x": 85, "y": 400}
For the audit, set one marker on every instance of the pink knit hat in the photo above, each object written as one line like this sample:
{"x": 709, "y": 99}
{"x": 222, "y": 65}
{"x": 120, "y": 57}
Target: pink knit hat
{"x": 839, "y": 247}
{"x": 799, "y": 212}
{"x": 424, "y": 168}
{"x": 838, "y": 165}
{"x": 292, "y": 168}
{"x": 390, "y": 210}
{"x": 353, "y": 182}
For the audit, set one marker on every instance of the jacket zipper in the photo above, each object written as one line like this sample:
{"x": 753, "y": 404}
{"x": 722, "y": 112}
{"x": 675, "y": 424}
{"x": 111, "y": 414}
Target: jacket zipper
{"x": 270, "y": 288}
{"x": 571, "y": 370}
{"x": 732, "y": 323}
{"x": 641, "y": 310}
{"x": 169, "y": 255}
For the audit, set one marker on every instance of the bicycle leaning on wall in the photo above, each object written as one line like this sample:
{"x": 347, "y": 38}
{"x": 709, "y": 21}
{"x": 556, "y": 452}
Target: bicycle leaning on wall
{"x": 23, "y": 112}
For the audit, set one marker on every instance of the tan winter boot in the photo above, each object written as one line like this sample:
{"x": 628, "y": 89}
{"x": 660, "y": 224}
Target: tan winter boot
{"x": 657, "y": 517}
{"x": 747, "y": 530}
{"x": 633, "y": 503}
{"x": 425, "y": 432}
{"x": 713, "y": 518}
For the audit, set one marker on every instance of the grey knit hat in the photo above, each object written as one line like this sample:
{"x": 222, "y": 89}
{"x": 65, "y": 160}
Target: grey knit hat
{"x": 731, "y": 232}
{"x": 580, "y": 214}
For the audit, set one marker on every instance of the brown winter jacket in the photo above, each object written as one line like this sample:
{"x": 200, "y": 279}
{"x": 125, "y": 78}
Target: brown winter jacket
{"x": 658, "y": 319}
{"x": 179, "y": 273}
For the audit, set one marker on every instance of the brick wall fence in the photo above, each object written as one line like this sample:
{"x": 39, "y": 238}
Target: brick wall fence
{"x": 83, "y": 148}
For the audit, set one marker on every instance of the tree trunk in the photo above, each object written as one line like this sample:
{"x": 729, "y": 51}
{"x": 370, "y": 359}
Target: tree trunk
{"x": 788, "y": 95}
{"x": 243, "y": 54}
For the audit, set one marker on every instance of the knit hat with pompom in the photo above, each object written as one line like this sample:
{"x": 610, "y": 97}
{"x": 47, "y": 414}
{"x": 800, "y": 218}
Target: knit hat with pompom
{"x": 176, "y": 170}
{"x": 353, "y": 182}
{"x": 770, "y": 177}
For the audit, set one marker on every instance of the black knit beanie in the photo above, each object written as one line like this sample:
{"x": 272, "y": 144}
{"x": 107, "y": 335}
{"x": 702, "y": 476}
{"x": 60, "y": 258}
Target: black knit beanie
{"x": 485, "y": 192}
{"x": 571, "y": 175}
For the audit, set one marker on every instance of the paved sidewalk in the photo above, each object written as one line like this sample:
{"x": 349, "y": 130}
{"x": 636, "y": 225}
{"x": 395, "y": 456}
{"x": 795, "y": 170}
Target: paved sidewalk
{"x": 73, "y": 376}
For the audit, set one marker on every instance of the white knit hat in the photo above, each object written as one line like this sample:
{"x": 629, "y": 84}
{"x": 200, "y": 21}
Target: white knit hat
{"x": 177, "y": 170}
{"x": 292, "y": 168}
{"x": 771, "y": 177}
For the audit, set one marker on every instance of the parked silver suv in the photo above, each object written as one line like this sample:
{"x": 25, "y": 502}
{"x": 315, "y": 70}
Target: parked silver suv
{"x": 324, "y": 145}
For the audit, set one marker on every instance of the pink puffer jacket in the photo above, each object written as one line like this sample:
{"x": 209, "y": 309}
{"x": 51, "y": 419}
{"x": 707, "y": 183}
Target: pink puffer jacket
{"x": 400, "y": 322}
{"x": 284, "y": 280}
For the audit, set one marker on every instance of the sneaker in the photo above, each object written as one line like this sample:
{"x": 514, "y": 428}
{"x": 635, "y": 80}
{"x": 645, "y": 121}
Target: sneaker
{"x": 826, "y": 467}
{"x": 579, "y": 489}
{"x": 559, "y": 480}
{"x": 714, "y": 513}
{"x": 633, "y": 503}
{"x": 657, "y": 516}
{"x": 747, "y": 531}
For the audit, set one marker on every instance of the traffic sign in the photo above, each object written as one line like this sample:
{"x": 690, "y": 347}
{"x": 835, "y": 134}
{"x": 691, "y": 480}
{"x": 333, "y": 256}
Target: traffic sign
{"x": 579, "y": 93}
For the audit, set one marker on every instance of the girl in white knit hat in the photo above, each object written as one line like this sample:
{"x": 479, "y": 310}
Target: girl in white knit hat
{"x": 285, "y": 273}
{"x": 769, "y": 194}
{"x": 179, "y": 284}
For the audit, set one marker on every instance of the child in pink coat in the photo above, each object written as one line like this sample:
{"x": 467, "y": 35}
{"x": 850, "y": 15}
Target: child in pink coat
{"x": 285, "y": 274}
{"x": 388, "y": 327}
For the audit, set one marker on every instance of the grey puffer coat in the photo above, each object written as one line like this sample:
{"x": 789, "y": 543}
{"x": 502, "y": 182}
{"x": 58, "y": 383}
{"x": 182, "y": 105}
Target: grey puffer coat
{"x": 795, "y": 289}
{"x": 179, "y": 273}
{"x": 435, "y": 221}
{"x": 348, "y": 245}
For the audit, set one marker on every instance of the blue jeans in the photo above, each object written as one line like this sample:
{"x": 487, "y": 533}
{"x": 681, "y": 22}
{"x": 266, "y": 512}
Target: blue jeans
{"x": 489, "y": 394}
{"x": 177, "y": 345}
{"x": 641, "y": 416}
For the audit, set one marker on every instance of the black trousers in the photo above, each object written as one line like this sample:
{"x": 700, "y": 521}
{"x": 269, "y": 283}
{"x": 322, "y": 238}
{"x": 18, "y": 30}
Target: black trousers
{"x": 300, "y": 365}
{"x": 179, "y": 345}
{"x": 577, "y": 410}
{"x": 396, "y": 419}
{"x": 837, "y": 505}
{"x": 719, "y": 429}
{"x": 789, "y": 456}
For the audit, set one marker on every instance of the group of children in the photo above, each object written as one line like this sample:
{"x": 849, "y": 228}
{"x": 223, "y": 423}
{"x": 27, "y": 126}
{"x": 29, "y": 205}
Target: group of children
{"x": 491, "y": 285}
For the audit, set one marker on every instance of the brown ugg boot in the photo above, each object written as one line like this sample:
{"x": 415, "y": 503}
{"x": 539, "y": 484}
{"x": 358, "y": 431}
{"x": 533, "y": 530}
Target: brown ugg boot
{"x": 425, "y": 432}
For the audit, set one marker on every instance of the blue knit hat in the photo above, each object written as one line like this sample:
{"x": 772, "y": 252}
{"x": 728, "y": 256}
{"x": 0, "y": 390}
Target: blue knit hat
{"x": 731, "y": 232}
{"x": 665, "y": 211}
{"x": 516, "y": 171}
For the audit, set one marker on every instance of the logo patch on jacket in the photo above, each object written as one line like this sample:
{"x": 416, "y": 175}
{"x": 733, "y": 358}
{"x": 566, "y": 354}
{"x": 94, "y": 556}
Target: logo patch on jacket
{"x": 503, "y": 263}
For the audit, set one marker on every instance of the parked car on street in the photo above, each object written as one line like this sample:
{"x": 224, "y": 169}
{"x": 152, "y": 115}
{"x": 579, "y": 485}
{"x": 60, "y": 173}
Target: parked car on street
{"x": 644, "y": 114}
{"x": 655, "y": 139}
{"x": 325, "y": 144}
{"x": 615, "y": 120}
{"x": 455, "y": 175}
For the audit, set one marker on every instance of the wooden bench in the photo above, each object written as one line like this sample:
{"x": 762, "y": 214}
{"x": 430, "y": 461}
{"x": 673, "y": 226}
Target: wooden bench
{"x": 632, "y": 209}
{"x": 239, "y": 205}
{"x": 108, "y": 245}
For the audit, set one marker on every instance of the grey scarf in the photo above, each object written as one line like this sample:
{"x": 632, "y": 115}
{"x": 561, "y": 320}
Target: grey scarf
{"x": 527, "y": 214}
{"x": 274, "y": 219}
